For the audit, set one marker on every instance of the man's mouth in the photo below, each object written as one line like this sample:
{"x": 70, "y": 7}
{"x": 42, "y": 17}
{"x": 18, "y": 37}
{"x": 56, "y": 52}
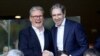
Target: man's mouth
{"x": 38, "y": 21}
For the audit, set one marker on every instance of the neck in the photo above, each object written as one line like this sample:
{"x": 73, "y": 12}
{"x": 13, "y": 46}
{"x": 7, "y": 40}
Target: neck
{"x": 40, "y": 28}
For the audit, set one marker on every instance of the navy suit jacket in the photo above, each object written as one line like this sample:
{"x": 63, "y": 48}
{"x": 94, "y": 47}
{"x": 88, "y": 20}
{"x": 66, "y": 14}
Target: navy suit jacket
{"x": 75, "y": 42}
{"x": 29, "y": 43}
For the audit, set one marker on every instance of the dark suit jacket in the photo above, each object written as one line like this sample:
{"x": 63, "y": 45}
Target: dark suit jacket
{"x": 29, "y": 43}
{"x": 75, "y": 42}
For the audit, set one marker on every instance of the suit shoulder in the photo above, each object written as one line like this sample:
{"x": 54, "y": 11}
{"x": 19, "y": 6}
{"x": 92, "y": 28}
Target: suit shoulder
{"x": 74, "y": 23}
{"x": 71, "y": 21}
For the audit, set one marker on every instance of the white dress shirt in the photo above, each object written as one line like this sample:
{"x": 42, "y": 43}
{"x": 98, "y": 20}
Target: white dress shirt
{"x": 40, "y": 35}
{"x": 60, "y": 36}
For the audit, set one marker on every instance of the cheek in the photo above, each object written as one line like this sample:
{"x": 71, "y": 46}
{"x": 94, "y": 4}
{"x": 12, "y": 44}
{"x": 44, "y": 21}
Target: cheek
{"x": 42, "y": 19}
{"x": 53, "y": 17}
{"x": 33, "y": 20}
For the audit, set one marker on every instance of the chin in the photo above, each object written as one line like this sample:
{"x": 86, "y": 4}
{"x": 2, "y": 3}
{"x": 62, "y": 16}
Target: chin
{"x": 38, "y": 26}
{"x": 57, "y": 23}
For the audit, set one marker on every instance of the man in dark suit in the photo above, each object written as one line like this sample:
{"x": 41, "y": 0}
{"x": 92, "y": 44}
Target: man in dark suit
{"x": 35, "y": 39}
{"x": 68, "y": 36}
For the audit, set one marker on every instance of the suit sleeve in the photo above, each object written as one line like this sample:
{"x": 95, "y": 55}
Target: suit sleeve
{"x": 23, "y": 44}
{"x": 81, "y": 40}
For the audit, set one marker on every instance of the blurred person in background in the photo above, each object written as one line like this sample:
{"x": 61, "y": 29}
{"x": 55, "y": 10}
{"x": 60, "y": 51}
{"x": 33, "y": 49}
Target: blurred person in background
{"x": 6, "y": 50}
{"x": 15, "y": 52}
{"x": 91, "y": 52}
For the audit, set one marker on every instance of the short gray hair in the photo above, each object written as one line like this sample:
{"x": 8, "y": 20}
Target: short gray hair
{"x": 36, "y": 8}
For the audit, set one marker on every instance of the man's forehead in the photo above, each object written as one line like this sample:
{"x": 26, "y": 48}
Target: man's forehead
{"x": 36, "y": 12}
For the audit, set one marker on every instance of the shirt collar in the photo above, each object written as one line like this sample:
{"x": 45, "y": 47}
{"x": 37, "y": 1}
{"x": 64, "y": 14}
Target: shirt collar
{"x": 37, "y": 30}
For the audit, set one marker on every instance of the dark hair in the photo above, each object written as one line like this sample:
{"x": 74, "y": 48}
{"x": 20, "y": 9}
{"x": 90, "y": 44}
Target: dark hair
{"x": 60, "y": 6}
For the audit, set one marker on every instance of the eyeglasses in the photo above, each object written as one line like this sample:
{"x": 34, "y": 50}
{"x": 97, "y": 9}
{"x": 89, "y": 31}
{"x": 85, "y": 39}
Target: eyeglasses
{"x": 36, "y": 16}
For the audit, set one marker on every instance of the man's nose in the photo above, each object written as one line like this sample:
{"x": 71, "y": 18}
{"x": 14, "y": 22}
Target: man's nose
{"x": 56, "y": 17}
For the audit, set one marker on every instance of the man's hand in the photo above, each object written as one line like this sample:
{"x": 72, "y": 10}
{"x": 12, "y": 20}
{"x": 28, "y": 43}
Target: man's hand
{"x": 64, "y": 54}
{"x": 47, "y": 53}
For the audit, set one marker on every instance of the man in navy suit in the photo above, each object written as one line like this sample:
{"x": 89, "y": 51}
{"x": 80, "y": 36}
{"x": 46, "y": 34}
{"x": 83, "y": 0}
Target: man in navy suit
{"x": 35, "y": 39}
{"x": 68, "y": 36}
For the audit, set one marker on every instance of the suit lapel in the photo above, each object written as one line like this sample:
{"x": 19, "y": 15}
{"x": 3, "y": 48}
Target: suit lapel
{"x": 34, "y": 38}
{"x": 45, "y": 39}
{"x": 54, "y": 34}
{"x": 66, "y": 31}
